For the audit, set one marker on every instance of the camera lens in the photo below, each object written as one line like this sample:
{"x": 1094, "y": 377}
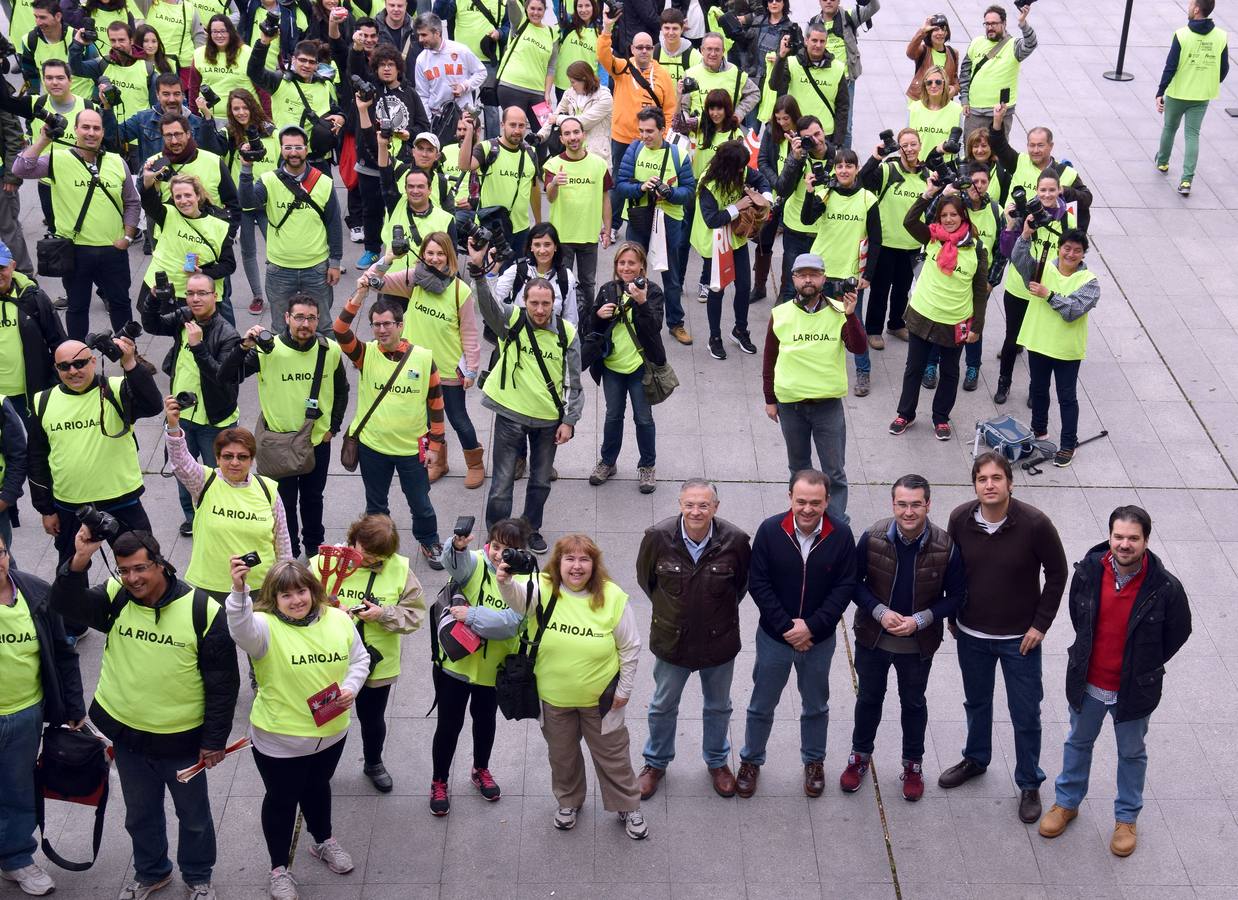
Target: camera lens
{"x": 186, "y": 400}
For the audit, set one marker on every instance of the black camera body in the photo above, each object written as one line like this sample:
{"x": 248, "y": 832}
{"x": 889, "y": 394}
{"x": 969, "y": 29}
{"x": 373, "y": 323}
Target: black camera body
{"x": 163, "y": 291}
{"x": 56, "y": 124}
{"x": 663, "y": 190}
{"x": 209, "y": 95}
{"x": 257, "y": 150}
{"x": 614, "y": 9}
{"x": 689, "y": 85}
{"x": 889, "y": 146}
{"x": 399, "y": 242}
{"x": 385, "y": 129}
{"x": 953, "y": 143}
{"x": 186, "y": 400}
{"x": 519, "y": 562}
{"x": 808, "y": 143}
{"x": 102, "y": 526}
{"x": 251, "y": 560}
{"x": 90, "y": 33}
{"x": 270, "y": 25}
{"x": 131, "y": 330}
{"x": 640, "y": 282}
{"x": 939, "y": 21}
{"x": 795, "y": 40}
{"x": 947, "y": 171}
{"x": 265, "y": 341}
{"x": 109, "y": 92}
{"x": 7, "y": 50}
{"x": 1039, "y": 214}
{"x": 366, "y": 92}
{"x": 1023, "y": 4}
{"x": 162, "y": 168}
{"x": 835, "y": 288}
{"x": 487, "y": 229}
{"x": 103, "y": 343}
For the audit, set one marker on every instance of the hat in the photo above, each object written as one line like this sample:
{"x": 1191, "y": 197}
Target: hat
{"x": 429, "y": 138}
{"x": 6, "y": 255}
{"x": 293, "y": 129}
{"x": 808, "y": 261}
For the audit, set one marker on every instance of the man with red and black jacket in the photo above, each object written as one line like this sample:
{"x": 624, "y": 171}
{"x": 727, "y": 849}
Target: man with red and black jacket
{"x": 1130, "y": 617}
{"x": 802, "y": 578}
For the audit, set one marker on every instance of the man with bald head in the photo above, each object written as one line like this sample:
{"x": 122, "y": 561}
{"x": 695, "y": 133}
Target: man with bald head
{"x": 508, "y": 172}
{"x": 81, "y": 445}
{"x": 94, "y": 205}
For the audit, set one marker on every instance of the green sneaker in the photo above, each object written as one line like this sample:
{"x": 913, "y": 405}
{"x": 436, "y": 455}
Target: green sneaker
{"x": 1184, "y": 188}
{"x": 1162, "y": 167}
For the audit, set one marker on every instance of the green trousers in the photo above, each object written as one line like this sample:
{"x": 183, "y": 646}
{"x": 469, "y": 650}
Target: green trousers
{"x": 1175, "y": 110}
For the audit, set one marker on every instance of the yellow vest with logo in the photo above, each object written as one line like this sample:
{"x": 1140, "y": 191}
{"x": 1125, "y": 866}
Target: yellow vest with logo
{"x": 133, "y": 82}
{"x": 20, "y": 666}
{"x": 471, "y": 24}
{"x": 577, "y": 210}
{"x": 577, "y": 658}
{"x": 433, "y": 321}
{"x": 416, "y": 229}
{"x": 12, "y": 356}
{"x": 945, "y": 299}
{"x": 401, "y": 418}
{"x": 204, "y": 236}
{"x": 205, "y": 165}
{"x": 150, "y": 679}
{"x": 300, "y": 661}
{"x": 812, "y": 361}
{"x": 897, "y": 194}
{"x": 624, "y": 357}
{"x": 285, "y": 376}
{"x": 105, "y": 17}
{"x": 506, "y": 182}
{"x": 842, "y": 232}
{"x": 709, "y": 80}
{"x": 45, "y": 50}
{"x": 1198, "y": 76}
{"x": 577, "y": 46}
{"x": 527, "y": 59}
{"x": 827, "y": 81}
{"x": 1047, "y": 235}
{"x": 388, "y": 585}
{"x": 516, "y": 382}
{"x": 933, "y": 125}
{"x": 1044, "y": 331}
{"x": 287, "y": 108}
{"x": 301, "y": 242}
{"x": 231, "y": 521}
{"x": 259, "y": 168}
{"x": 174, "y": 22}
{"x": 702, "y": 236}
{"x": 70, "y": 180}
{"x": 1002, "y": 71}
{"x": 658, "y": 163}
{"x": 706, "y": 151}
{"x": 676, "y": 64}
{"x": 186, "y": 376}
{"x": 224, "y": 78}
{"x": 482, "y": 666}
{"x": 87, "y": 466}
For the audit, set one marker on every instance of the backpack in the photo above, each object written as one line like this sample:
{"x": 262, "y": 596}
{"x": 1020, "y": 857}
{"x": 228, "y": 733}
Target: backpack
{"x": 1006, "y": 435}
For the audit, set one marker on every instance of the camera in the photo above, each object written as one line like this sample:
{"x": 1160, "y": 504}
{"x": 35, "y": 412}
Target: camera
{"x": 614, "y": 9}
{"x": 103, "y": 343}
{"x": 376, "y": 282}
{"x": 186, "y": 400}
{"x": 265, "y": 341}
{"x": 109, "y": 92}
{"x": 519, "y": 562}
{"x": 640, "y": 282}
{"x": 7, "y": 50}
{"x": 56, "y": 124}
{"x": 808, "y": 143}
{"x": 663, "y": 190}
{"x": 399, "y": 241}
{"x": 209, "y": 95}
{"x": 835, "y": 288}
{"x": 102, "y": 526}
{"x": 795, "y": 39}
{"x": 386, "y": 129}
{"x": 90, "y": 34}
{"x": 131, "y": 330}
{"x": 270, "y": 25}
{"x": 1023, "y": 4}
{"x": 257, "y": 150}
{"x": 488, "y": 229}
{"x": 251, "y": 560}
{"x": 1040, "y": 216}
{"x": 947, "y": 171}
{"x": 162, "y": 169}
{"x": 889, "y": 146}
{"x": 820, "y": 174}
{"x": 533, "y": 139}
{"x": 1018, "y": 196}
{"x": 163, "y": 292}
{"x": 689, "y": 85}
{"x": 939, "y": 21}
{"x": 365, "y": 91}
{"x": 954, "y": 142}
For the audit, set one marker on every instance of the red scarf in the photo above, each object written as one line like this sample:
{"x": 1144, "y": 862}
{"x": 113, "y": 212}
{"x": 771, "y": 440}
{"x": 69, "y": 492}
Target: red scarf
{"x": 948, "y": 256}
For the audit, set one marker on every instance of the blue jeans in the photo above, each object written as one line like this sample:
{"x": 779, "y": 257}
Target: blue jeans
{"x": 19, "y": 747}
{"x": 769, "y": 677}
{"x": 978, "y": 659}
{"x": 143, "y": 780}
{"x": 107, "y": 269}
{"x": 283, "y": 284}
{"x": 668, "y": 684}
{"x": 509, "y": 439}
{"x": 456, "y": 407}
{"x": 377, "y": 470}
{"x": 1065, "y": 375}
{"x": 1072, "y": 784}
{"x": 617, "y": 149}
{"x": 850, "y": 111}
{"x": 200, "y": 440}
{"x": 672, "y": 278}
{"x": 820, "y": 422}
{"x": 863, "y": 362}
{"x": 617, "y": 389}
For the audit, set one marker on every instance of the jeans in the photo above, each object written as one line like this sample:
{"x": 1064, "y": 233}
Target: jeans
{"x": 303, "y": 494}
{"x": 584, "y": 257}
{"x": 617, "y": 149}
{"x": 107, "y": 269}
{"x": 850, "y": 111}
{"x": 891, "y": 284}
{"x": 251, "y": 223}
{"x": 971, "y": 354}
{"x": 672, "y": 278}
{"x": 872, "y": 669}
{"x": 283, "y": 283}
{"x": 377, "y": 470}
{"x": 372, "y": 211}
{"x": 1072, "y": 784}
{"x": 668, "y": 684}
{"x": 1175, "y": 111}
{"x": 978, "y": 659}
{"x": 742, "y": 288}
{"x": 819, "y": 422}
{"x": 769, "y": 677}
{"x": 793, "y": 244}
{"x": 200, "y": 441}
{"x": 144, "y": 780}
{"x": 1065, "y": 374}
{"x": 491, "y": 113}
{"x": 1015, "y": 309}
{"x": 509, "y": 439}
{"x": 617, "y": 389}
{"x": 19, "y": 747}
{"x": 918, "y": 353}
{"x": 863, "y": 362}
{"x": 456, "y": 407}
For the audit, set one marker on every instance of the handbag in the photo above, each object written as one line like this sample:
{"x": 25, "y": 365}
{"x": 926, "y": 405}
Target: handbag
{"x": 659, "y": 381}
{"x": 750, "y": 221}
{"x": 1006, "y": 435}
{"x": 73, "y": 766}
{"x": 350, "y": 448}
{"x": 449, "y": 638}
{"x": 283, "y": 454}
{"x": 516, "y": 682}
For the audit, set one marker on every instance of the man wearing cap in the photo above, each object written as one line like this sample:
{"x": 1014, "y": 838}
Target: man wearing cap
{"x": 304, "y": 237}
{"x": 805, "y": 374}
{"x": 30, "y": 332}
{"x": 427, "y": 157}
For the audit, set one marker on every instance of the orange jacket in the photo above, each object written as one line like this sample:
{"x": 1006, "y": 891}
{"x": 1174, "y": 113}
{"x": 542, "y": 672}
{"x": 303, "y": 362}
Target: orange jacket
{"x": 630, "y": 97}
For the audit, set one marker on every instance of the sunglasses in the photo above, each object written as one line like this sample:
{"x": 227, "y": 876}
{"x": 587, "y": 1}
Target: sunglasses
{"x": 934, "y": 81}
{"x": 75, "y": 364}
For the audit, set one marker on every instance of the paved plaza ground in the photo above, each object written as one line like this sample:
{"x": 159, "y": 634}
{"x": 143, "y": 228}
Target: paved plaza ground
{"x": 1161, "y": 376}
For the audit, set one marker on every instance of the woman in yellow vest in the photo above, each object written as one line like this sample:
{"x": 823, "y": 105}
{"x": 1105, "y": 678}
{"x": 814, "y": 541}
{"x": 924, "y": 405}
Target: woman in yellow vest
{"x": 387, "y": 601}
{"x": 180, "y": 29}
{"x": 1055, "y": 330}
{"x": 245, "y": 112}
{"x": 310, "y": 662}
{"x": 586, "y": 662}
{"x": 772, "y": 156}
{"x": 978, "y": 151}
{"x": 469, "y": 682}
{"x": 947, "y": 307}
{"x": 934, "y": 114}
{"x": 580, "y": 41}
{"x": 930, "y": 48}
{"x": 526, "y": 75}
{"x": 715, "y": 127}
{"x": 148, "y": 39}
{"x": 220, "y": 64}
{"x": 189, "y": 226}
{"x": 237, "y": 510}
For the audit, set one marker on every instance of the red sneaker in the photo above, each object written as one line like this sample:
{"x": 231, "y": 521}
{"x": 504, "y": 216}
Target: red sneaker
{"x": 484, "y": 782}
{"x": 255, "y": 305}
{"x": 853, "y": 775}
{"x": 913, "y": 781}
{"x": 440, "y": 801}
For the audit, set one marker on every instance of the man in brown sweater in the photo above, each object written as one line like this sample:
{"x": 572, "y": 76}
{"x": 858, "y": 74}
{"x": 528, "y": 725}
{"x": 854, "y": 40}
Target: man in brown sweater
{"x": 1005, "y": 544}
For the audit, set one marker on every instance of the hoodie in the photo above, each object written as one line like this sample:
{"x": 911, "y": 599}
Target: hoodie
{"x": 1199, "y": 26}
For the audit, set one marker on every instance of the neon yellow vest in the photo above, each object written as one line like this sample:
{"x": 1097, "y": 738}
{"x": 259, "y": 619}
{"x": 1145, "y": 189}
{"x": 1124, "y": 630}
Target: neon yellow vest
{"x": 896, "y": 199}
{"x": 577, "y": 658}
{"x": 941, "y": 298}
{"x": 524, "y": 391}
{"x": 826, "y": 79}
{"x": 527, "y": 59}
{"x": 482, "y": 666}
{"x": 301, "y": 661}
{"x": 301, "y": 242}
{"x": 416, "y": 229}
{"x": 624, "y": 357}
{"x": 260, "y": 13}
{"x": 1198, "y": 76}
{"x": 86, "y": 466}
{"x": 812, "y": 362}
{"x": 205, "y": 236}
{"x": 715, "y": 81}
{"x": 133, "y": 82}
{"x": 43, "y": 51}
{"x": 222, "y": 77}
{"x": 433, "y": 321}
{"x": 12, "y": 358}
{"x": 187, "y": 377}
{"x": 232, "y": 521}
{"x": 933, "y": 125}
{"x": 389, "y": 582}
{"x": 174, "y": 22}
{"x": 205, "y": 165}
{"x": 676, "y": 64}
{"x": 507, "y": 182}
{"x": 1002, "y": 71}
{"x": 1044, "y": 331}
{"x": 579, "y": 46}
{"x": 842, "y": 232}
{"x": 1048, "y": 235}
{"x": 105, "y": 17}
{"x": 471, "y": 25}
{"x": 658, "y": 163}
{"x": 702, "y": 237}
{"x": 285, "y": 376}
{"x": 70, "y": 181}
{"x": 19, "y": 658}
{"x": 287, "y": 108}
{"x": 577, "y": 211}
{"x": 401, "y": 417}
{"x": 704, "y": 153}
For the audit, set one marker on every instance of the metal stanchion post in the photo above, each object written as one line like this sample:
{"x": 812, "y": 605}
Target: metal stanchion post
{"x": 1117, "y": 74}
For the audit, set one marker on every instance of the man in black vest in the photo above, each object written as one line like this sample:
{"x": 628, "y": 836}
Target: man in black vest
{"x": 909, "y": 579}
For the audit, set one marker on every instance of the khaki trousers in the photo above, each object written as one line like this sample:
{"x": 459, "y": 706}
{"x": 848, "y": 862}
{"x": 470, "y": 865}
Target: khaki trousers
{"x": 563, "y": 729}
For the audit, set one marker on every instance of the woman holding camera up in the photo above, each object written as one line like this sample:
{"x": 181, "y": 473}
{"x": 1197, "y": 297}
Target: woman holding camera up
{"x": 386, "y": 600}
{"x": 586, "y": 671}
{"x": 930, "y": 48}
{"x": 777, "y": 141}
{"x": 244, "y": 515}
{"x": 526, "y": 75}
{"x": 628, "y": 310}
{"x": 734, "y": 197}
{"x": 468, "y": 683}
{"x": 220, "y": 64}
{"x": 934, "y": 116}
{"x": 578, "y": 43}
{"x": 310, "y": 663}
{"x": 248, "y": 131}
{"x": 947, "y": 308}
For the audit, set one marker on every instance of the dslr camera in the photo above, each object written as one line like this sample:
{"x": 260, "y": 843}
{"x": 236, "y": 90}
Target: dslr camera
{"x": 162, "y": 168}
{"x": 257, "y": 151}
{"x": 109, "y": 92}
{"x": 889, "y": 146}
{"x": 7, "y": 50}
{"x": 519, "y": 562}
{"x": 270, "y": 25}
{"x": 795, "y": 39}
{"x": 56, "y": 124}
{"x": 399, "y": 242}
{"x": 209, "y": 95}
{"x": 103, "y": 343}
{"x": 614, "y": 9}
{"x": 688, "y": 85}
{"x": 953, "y": 143}
{"x": 163, "y": 292}
{"x": 366, "y": 92}
{"x": 836, "y": 288}
{"x": 947, "y": 171}
{"x": 265, "y": 341}
{"x": 939, "y": 21}
{"x": 663, "y": 190}
{"x": 488, "y": 229}
{"x": 90, "y": 34}
{"x": 102, "y": 526}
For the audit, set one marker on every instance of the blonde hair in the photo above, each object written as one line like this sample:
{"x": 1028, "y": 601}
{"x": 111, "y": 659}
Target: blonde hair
{"x": 943, "y": 98}
{"x": 285, "y": 577}
{"x": 194, "y": 182}
{"x": 596, "y": 586}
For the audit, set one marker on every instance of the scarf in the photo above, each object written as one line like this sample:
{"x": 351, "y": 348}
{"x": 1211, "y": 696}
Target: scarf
{"x": 309, "y": 619}
{"x": 432, "y": 280}
{"x": 948, "y": 256}
{"x": 177, "y": 159}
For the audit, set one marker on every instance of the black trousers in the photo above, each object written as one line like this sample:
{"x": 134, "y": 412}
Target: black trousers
{"x": 302, "y": 496}
{"x": 294, "y": 781}
{"x": 454, "y": 696}
{"x": 891, "y": 285}
{"x": 872, "y": 669}
{"x": 1015, "y": 309}
{"x": 372, "y": 210}
{"x": 372, "y": 715}
{"x": 739, "y": 303}
{"x": 918, "y": 352}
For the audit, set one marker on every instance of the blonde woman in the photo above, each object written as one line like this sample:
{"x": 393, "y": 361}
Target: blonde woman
{"x": 934, "y": 114}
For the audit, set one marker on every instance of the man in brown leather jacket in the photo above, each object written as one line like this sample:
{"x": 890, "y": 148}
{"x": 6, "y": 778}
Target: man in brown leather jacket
{"x": 694, "y": 567}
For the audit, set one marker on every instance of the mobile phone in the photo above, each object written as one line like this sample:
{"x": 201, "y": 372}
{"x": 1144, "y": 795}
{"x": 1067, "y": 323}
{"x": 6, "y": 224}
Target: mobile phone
{"x": 353, "y": 610}
{"x": 1004, "y": 96}
{"x": 464, "y": 526}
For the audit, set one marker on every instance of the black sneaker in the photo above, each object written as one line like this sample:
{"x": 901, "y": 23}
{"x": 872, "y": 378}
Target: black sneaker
{"x": 743, "y": 341}
{"x": 537, "y": 543}
{"x": 971, "y": 379}
{"x": 433, "y": 553}
{"x": 186, "y": 529}
{"x": 899, "y": 425}
{"x": 716, "y": 350}
{"x": 1003, "y": 391}
{"x": 379, "y": 777}
{"x": 1063, "y": 458}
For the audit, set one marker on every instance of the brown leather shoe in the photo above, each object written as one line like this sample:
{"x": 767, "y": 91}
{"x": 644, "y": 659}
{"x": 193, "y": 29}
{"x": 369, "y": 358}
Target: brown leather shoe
{"x": 1029, "y": 806}
{"x": 1056, "y": 820}
{"x": 746, "y": 780}
{"x": 724, "y": 781}
{"x": 1123, "y": 842}
{"x": 648, "y": 781}
{"x": 814, "y": 778}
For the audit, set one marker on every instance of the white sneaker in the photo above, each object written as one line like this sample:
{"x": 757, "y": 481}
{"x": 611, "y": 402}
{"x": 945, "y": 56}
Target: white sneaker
{"x": 135, "y": 890}
{"x": 335, "y": 856}
{"x": 702, "y": 293}
{"x": 565, "y": 818}
{"x": 201, "y": 891}
{"x": 31, "y": 879}
{"x": 356, "y": 235}
{"x": 634, "y": 825}
{"x": 283, "y": 885}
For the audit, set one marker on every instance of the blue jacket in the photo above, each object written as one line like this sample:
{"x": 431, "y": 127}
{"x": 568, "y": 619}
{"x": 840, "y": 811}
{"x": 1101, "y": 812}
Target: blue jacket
{"x": 144, "y": 128}
{"x": 630, "y": 189}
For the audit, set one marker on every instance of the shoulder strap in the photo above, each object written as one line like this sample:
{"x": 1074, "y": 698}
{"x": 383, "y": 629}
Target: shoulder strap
{"x": 300, "y": 196}
{"x": 807, "y": 70}
{"x": 309, "y": 114}
{"x": 543, "y": 619}
{"x": 541, "y": 363}
{"x": 206, "y": 486}
{"x": 993, "y": 51}
{"x": 894, "y": 177}
{"x": 644, "y": 84}
{"x": 386, "y": 388}
{"x": 481, "y": 7}
{"x": 511, "y": 48}
{"x": 40, "y": 404}
{"x": 316, "y": 384}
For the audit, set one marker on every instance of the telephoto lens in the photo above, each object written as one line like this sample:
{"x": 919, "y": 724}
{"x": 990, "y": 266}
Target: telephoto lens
{"x": 103, "y": 343}
{"x": 131, "y": 329}
{"x": 102, "y": 526}
{"x": 519, "y": 562}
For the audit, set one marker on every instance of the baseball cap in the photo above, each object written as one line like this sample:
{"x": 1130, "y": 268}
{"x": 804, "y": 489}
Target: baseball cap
{"x": 808, "y": 261}
{"x": 429, "y": 138}
{"x": 6, "y": 255}
{"x": 293, "y": 129}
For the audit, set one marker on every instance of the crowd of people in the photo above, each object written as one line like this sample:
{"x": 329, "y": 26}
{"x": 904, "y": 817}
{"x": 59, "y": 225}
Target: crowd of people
{"x": 490, "y": 157}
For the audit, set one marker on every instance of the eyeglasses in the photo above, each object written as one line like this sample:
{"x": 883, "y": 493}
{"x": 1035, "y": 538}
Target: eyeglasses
{"x": 235, "y": 457}
{"x": 75, "y": 364}
{"x": 934, "y": 81}
{"x": 303, "y": 319}
{"x": 293, "y": 148}
{"x": 992, "y": 23}
{"x": 139, "y": 569}
{"x": 378, "y": 325}
{"x": 914, "y": 506}
{"x": 199, "y": 293}
{"x": 642, "y": 46}
{"x": 306, "y": 60}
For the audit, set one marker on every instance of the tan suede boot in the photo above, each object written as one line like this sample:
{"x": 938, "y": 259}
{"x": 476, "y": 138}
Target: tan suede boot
{"x": 438, "y": 468}
{"x": 476, "y": 472}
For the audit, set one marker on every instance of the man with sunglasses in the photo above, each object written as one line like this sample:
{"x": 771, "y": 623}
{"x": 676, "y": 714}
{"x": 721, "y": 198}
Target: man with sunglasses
{"x": 289, "y": 393}
{"x": 81, "y": 446}
{"x": 989, "y": 71}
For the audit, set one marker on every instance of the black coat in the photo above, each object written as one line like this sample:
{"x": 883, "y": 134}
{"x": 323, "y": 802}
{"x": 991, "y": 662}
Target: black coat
{"x": 58, "y": 666}
{"x": 646, "y": 322}
{"x": 1160, "y": 624}
{"x": 41, "y": 333}
{"x": 213, "y": 355}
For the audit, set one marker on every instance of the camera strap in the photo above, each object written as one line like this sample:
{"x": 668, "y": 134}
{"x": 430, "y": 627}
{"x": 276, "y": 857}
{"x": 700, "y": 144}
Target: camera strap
{"x": 812, "y": 82}
{"x": 309, "y": 114}
{"x": 383, "y": 391}
{"x": 513, "y": 337}
{"x": 492, "y": 157}
{"x": 651, "y": 199}
{"x": 993, "y": 51}
{"x": 194, "y": 228}
{"x": 300, "y": 194}
{"x": 542, "y": 615}
{"x": 100, "y": 382}
{"x": 480, "y": 6}
{"x": 210, "y": 479}
{"x": 316, "y": 383}
{"x": 644, "y": 83}
{"x": 511, "y": 48}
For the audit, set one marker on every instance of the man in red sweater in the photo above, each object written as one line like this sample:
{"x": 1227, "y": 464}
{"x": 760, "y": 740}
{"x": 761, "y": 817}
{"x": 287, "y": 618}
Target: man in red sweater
{"x": 1130, "y": 617}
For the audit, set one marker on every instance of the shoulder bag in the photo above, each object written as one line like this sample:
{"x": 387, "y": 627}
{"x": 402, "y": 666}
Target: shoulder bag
{"x": 350, "y": 448}
{"x": 516, "y": 683}
{"x": 73, "y": 766}
{"x": 56, "y": 255}
{"x": 283, "y": 454}
{"x": 659, "y": 382}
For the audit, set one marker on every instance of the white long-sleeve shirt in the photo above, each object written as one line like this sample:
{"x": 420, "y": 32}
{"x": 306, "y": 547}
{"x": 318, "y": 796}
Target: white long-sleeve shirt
{"x": 437, "y": 70}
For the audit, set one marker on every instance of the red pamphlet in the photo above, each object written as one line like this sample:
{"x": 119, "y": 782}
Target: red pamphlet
{"x": 323, "y": 705}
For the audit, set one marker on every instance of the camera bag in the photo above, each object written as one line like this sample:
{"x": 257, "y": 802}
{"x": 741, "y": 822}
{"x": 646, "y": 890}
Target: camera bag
{"x": 516, "y": 683}
{"x": 1005, "y": 434}
{"x": 640, "y": 217}
{"x": 282, "y": 454}
{"x": 449, "y": 638}
{"x": 73, "y": 766}
{"x": 659, "y": 382}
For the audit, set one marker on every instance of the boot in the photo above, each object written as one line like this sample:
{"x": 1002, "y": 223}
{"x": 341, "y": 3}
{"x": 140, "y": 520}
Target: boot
{"x": 476, "y": 472}
{"x": 438, "y": 468}
{"x": 760, "y": 276}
